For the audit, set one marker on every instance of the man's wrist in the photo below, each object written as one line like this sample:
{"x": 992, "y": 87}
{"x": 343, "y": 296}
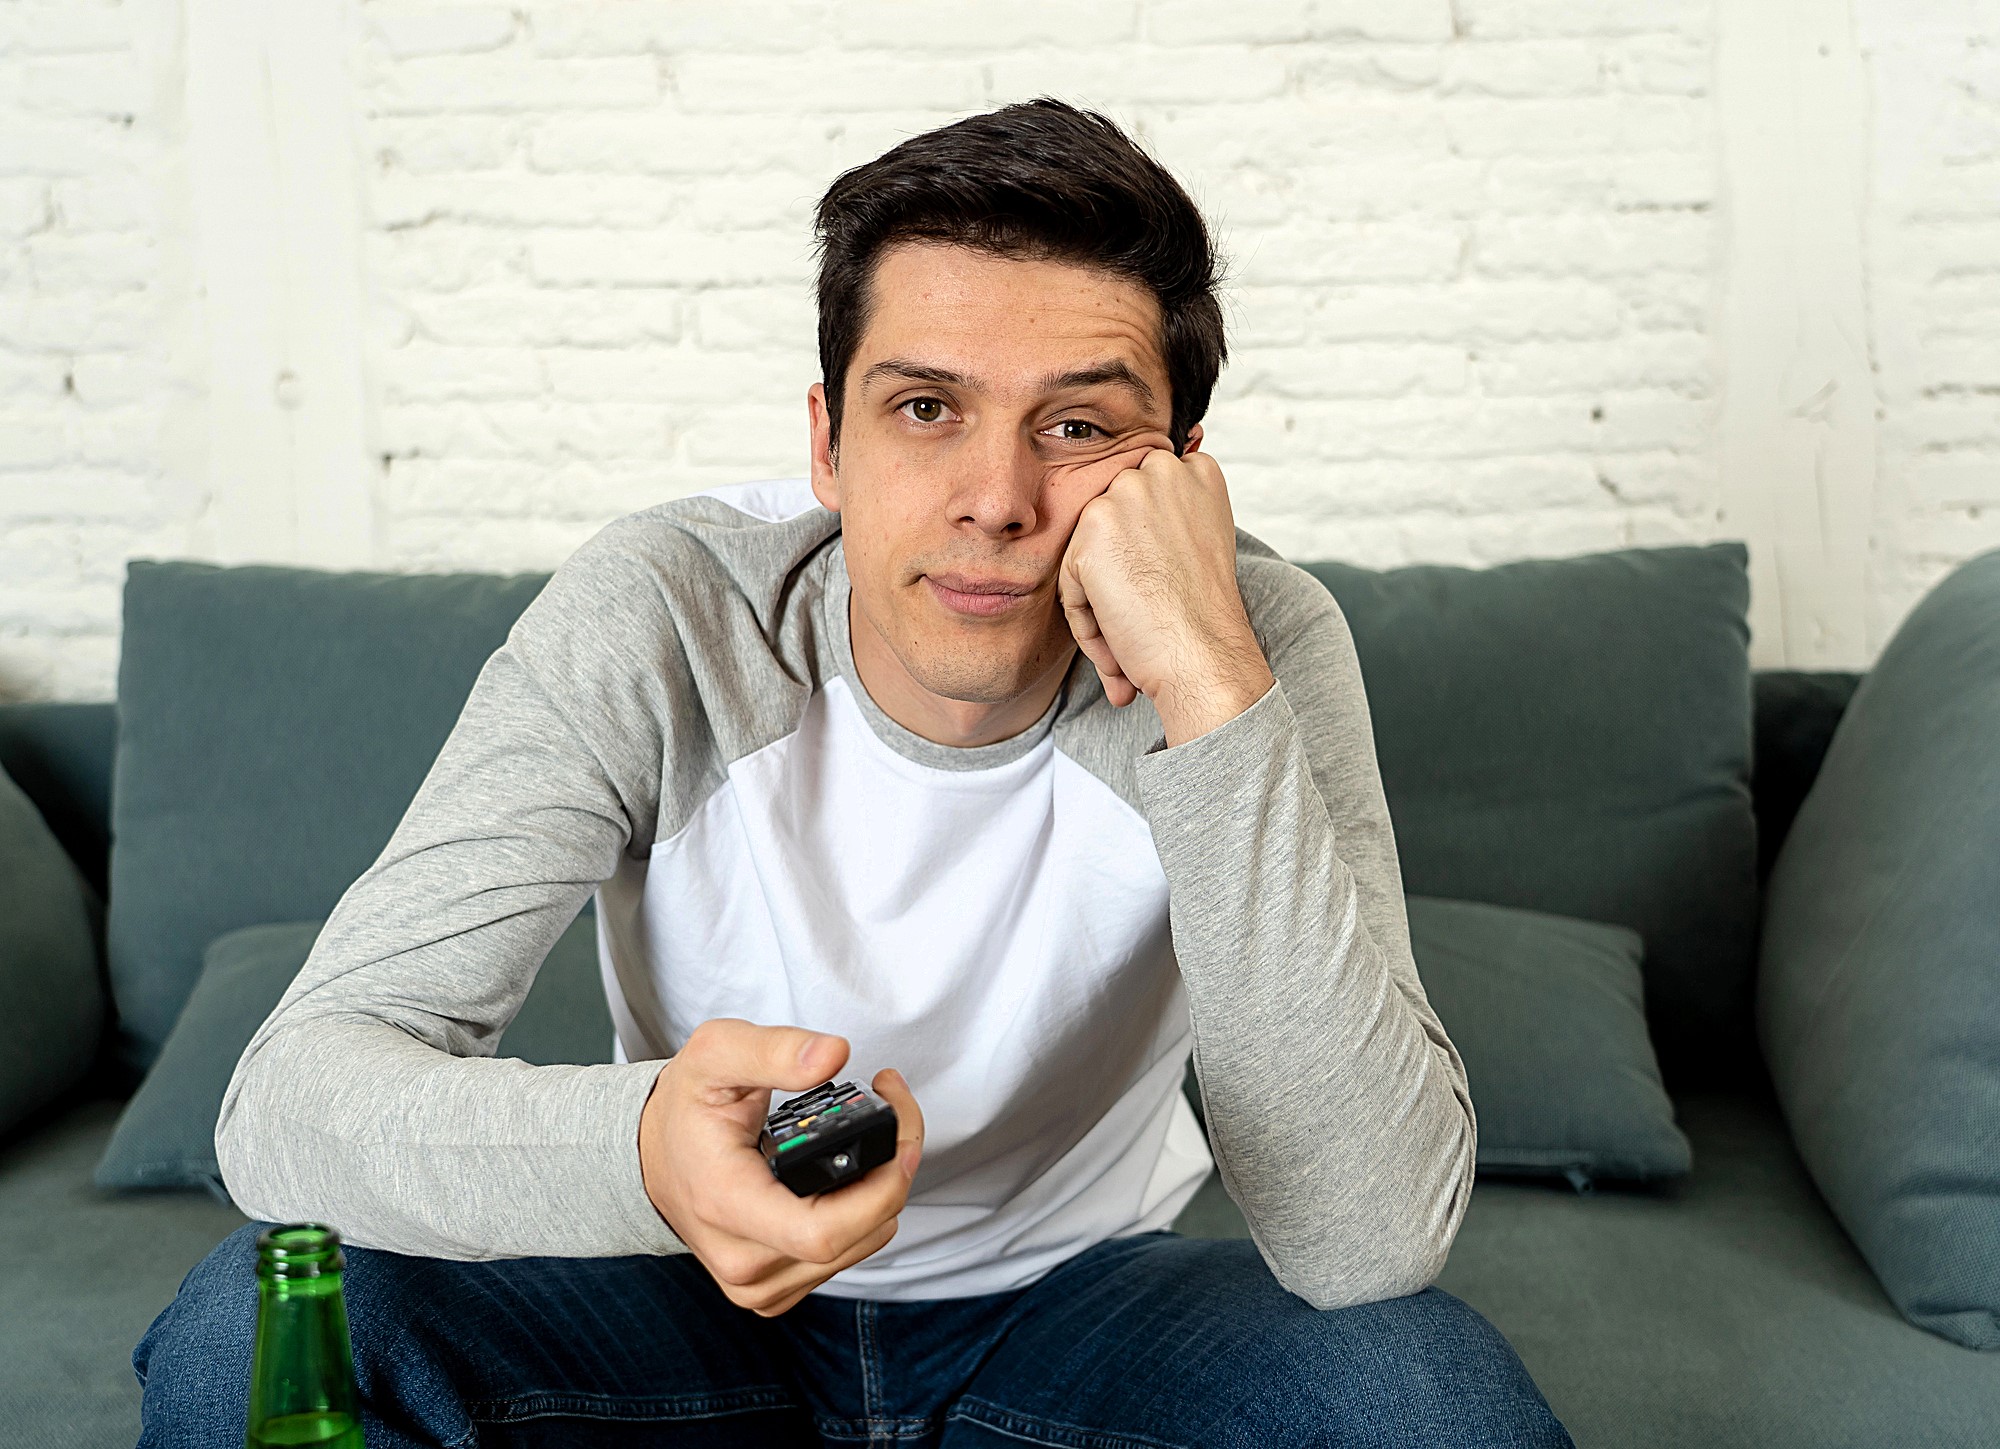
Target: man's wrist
{"x": 1224, "y": 682}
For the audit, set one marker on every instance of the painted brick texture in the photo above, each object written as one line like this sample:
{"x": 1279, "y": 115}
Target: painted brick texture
{"x": 1933, "y": 235}
{"x": 86, "y": 341}
{"x": 1473, "y": 248}
{"x": 1470, "y": 260}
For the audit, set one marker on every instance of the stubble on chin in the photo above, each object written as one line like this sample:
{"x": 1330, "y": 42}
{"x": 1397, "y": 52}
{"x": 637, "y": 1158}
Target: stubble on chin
{"x": 973, "y": 670}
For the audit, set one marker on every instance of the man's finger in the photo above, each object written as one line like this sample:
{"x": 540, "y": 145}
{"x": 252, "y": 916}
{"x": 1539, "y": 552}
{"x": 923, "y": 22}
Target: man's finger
{"x": 890, "y": 1086}
{"x": 814, "y": 1229}
{"x": 1207, "y": 469}
{"x": 1134, "y": 457}
{"x": 1097, "y": 649}
{"x": 1083, "y": 627}
{"x": 804, "y": 1277}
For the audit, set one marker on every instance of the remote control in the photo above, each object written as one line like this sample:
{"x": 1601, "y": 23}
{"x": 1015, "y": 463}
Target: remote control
{"x": 828, "y": 1136}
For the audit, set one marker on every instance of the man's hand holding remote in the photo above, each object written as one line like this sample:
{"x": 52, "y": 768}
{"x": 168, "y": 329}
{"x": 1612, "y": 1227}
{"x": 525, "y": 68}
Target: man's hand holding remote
{"x": 698, "y": 1154}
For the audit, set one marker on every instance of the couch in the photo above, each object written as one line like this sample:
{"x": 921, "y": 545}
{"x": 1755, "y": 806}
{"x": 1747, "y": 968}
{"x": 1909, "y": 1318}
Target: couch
{"x": 1722, "y": 1307}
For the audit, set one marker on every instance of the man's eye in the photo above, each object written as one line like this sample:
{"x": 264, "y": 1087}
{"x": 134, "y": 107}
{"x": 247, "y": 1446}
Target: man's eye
{"x": 925, "y": 409}
{"x": 1076, "y": 430}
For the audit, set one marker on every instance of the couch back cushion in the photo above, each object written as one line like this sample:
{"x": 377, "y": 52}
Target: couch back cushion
{"x": 48, "y": 964}
{"x": 60, "y": 756}
{"x": 1878, "y": 995}
{"x": 1573, "y": 736}
{"x": 1797, "y": 712}
{"x": 273, "y": 725}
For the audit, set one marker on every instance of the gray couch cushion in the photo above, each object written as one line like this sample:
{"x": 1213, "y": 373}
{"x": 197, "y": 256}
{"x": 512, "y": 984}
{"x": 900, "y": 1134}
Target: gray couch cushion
{"x": 273, "y": 725}
{"x": 1547, "y": 1013}
{"x": 1725, "y": 1308}
{"x": 1573, "y": 736}
{"x": 166, "y": 1136}
{"x": 1879, "y": 990}
{"x": 81, "y": 1276}
{"x": 1721, "y": 1310}
{"x": 51, "y": 1001}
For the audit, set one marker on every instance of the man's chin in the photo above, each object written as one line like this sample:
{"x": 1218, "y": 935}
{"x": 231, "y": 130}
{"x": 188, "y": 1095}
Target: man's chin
{"x": 968, "y": 684}
{"x": 972, "y": 675}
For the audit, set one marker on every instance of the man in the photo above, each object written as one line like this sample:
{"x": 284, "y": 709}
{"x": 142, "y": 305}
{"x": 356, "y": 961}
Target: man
{"x": 990, "y": 763}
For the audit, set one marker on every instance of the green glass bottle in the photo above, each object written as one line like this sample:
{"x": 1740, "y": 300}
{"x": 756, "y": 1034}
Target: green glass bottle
{"x": 302, "y": 1370}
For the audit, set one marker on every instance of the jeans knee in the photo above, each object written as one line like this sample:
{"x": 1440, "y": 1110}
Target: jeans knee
{"x": 193, "y": 1363}
{"x": 1437, "y": 1372}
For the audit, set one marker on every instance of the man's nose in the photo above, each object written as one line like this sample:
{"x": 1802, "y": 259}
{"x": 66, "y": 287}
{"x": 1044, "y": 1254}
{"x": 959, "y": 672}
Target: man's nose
{"x": 998, "y": 486}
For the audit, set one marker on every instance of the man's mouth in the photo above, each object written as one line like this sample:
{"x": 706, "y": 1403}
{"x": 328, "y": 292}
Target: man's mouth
{"x": 979, "y": 596}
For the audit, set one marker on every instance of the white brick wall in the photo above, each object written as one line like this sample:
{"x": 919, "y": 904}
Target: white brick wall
{"x": 1470, "y": 272}
{"x": 87, "y": 339}
{"x": 1476, "y": 248}
{"x": 1934, "y": 238}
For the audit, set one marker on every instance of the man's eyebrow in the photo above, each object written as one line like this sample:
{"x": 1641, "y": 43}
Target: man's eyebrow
{"x": 1114, "y": 371}
{"x": 913, "y": 372}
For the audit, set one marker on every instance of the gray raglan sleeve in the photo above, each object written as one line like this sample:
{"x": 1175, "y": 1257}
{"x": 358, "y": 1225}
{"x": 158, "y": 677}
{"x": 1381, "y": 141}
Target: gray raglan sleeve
{"x": 371, "y": 1098}
{"x": 1337, "y": 1107}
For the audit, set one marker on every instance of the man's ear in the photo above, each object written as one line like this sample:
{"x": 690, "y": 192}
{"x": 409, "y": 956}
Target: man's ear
{"x": 1194, "y": 440}
{"x": 825, "y": 476}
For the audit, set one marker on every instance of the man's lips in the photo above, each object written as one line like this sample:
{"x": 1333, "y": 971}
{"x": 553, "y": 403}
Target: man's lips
{"x": 979, "y": 597}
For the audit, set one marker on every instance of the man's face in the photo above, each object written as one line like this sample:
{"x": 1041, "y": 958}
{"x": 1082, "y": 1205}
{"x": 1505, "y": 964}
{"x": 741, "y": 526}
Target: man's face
{"x": 988, "y": 401}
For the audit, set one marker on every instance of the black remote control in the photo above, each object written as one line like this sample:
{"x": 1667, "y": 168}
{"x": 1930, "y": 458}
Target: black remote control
{"x": 828, "y": 1136}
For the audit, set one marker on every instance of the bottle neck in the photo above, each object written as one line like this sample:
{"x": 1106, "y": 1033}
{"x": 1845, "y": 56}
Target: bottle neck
{"x": 302, "y": 1389}
{"x": 299, "y": 1253}
{"x": 280, "y": 1291}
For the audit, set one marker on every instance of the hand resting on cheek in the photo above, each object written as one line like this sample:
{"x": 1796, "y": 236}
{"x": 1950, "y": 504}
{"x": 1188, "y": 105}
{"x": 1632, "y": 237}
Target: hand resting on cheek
{"x": 1148, "y": 586}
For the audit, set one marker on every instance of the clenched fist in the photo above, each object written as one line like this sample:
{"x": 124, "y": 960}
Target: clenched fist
{"x": 1148, "y": 585}
{"x": 698, "y": 1154}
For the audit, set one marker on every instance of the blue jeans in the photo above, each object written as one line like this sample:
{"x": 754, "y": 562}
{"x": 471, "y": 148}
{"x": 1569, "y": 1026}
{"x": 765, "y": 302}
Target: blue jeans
{"x": 1147, "y": 1342}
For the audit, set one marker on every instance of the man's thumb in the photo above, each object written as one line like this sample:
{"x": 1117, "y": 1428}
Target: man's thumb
{"x": 733, "y": 1053}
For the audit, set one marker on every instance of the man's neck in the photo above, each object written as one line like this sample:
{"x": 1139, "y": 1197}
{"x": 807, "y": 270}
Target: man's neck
{"x": 962, "y": 723}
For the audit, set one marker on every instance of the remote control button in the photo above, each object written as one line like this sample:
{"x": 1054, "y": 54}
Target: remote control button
{"x": 788, "y": 1146}
{"x": 841, "y": 1162}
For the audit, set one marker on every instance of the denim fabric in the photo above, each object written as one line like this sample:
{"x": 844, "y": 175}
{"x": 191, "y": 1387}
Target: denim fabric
{"x": 1147, "y": 1342}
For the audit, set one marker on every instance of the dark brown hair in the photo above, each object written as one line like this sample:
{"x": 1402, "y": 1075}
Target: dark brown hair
{"x": 1038, "y": 179}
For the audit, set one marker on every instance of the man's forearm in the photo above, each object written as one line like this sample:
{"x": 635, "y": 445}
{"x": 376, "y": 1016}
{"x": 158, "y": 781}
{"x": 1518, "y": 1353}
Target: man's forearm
{"x": 371, "y": 1097}
{"x": 1335, "y": 1103}
{"x": 406, "y": 1148}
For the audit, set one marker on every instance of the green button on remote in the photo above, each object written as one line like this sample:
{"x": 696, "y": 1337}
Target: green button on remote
{"x": 838, "y": 1131}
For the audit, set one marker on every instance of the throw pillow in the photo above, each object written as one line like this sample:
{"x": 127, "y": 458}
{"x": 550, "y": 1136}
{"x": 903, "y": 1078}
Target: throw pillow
{"x": 1548, "y": 1014}
{"x": 166, "y": 1137}
{"x": 48, "y": 963}
{"x": 1573, "y": 736}
{"x": 273, "y": 726}
{"x": 1879, "y": 986}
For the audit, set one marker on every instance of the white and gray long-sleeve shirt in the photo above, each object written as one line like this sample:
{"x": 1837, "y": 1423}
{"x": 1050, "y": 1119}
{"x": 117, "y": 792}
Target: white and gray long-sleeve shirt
{"x": 1035, "y": 932}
